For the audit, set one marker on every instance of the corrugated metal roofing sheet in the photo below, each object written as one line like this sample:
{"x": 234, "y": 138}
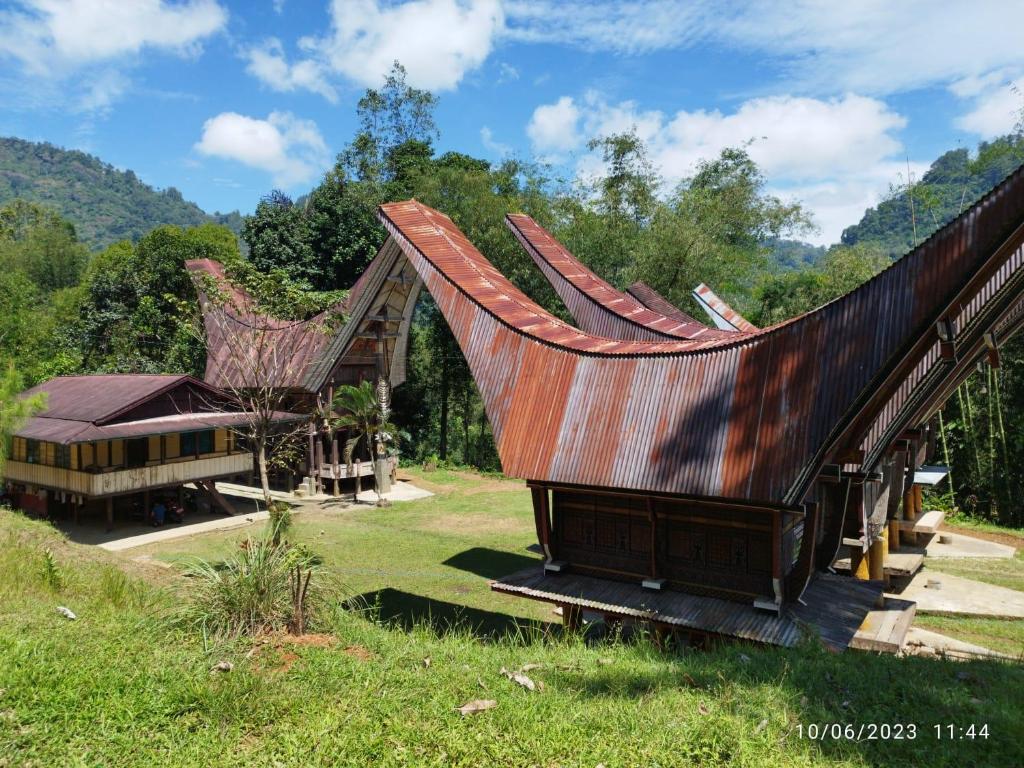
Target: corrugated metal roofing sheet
{"x": 244, "y": 348}
{"x": 653, "y": 300}
{"x": 97, "y": 398}
{"x": 748, "y": 416}
{"x": 595, "y": 306}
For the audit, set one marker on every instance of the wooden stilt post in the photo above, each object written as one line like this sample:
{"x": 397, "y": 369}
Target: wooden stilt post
{"x": 359, "y": 478}
{"x": 572, "y": 617}
{"x": 319, "y": 465}
{"x": 894, "y": 535}
{"x": 110, "y": 513}
{"x": 145, "y": 504}
{"x": 860, "y": 563}
{"x": 74, "y": 509}
{"x": 311, "y": 459}
{"x": 876, "y": 559}
{"x": 910, "y": 513}
{"x": 335, "y": 467}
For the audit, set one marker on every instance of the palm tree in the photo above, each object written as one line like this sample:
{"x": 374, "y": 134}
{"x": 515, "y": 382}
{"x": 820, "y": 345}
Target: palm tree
{"x": 363, "y": 414}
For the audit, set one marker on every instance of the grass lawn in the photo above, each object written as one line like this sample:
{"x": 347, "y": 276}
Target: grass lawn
{"x": 126, "y": 684}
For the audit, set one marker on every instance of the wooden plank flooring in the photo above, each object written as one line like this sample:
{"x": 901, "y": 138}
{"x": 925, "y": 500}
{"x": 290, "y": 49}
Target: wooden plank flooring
{"x": 885, "y": 629}
{"x": 835, "y": 607}
{"x": 928, "y": 523}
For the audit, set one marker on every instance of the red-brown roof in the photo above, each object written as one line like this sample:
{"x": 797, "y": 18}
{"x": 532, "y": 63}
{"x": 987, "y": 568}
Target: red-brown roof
{"x": 245, "y": 348}
{"x": 101, "y": 407}
{"x": 99, "y": 398}
{"x": 596, "y": 306}
{"x": 750, "y": 416}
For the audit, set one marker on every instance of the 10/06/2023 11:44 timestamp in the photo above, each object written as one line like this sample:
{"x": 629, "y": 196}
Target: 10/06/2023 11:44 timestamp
{"x": 890, "y": 731}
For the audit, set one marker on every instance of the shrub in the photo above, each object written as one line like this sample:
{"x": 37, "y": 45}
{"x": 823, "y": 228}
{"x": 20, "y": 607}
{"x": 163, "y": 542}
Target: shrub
{"x": 261, "y": 588}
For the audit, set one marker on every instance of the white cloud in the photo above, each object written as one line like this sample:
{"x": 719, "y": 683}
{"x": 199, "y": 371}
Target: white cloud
{"x": 507, "y": 73}
{"x": 49, "y": 36}
{"x": 267, "y": 63}
{"x": 873, "y": 47}
{"x": 553, "y": 128}
{"x": 289, "y": 148}
{"x": 496, "y": 147}
{"x": 437, "y": 41}
{"x": 997, "y": 104}
{"x": 838, "y": 155}
{"x": 73, "y": 52}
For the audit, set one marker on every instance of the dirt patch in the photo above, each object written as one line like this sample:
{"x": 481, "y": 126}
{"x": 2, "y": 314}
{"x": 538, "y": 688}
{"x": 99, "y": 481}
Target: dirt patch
{"x": 313, "y": 639}
{"x": 273, "y": 653}
{"x": 999, "y": 538}
{"x": 358, "y": 652}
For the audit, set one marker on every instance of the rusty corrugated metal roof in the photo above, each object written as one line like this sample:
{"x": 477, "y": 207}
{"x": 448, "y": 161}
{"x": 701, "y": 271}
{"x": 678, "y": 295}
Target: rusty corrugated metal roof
{"x": 596, "y": 306}
{"x": 725, "y": 317}
{"x": 653, "y": 300}
{"x": 244, "y": 348}
{"x": 748, "y": 416}
{"x": 100, "y": 397}
{"x": 96, "y": 407}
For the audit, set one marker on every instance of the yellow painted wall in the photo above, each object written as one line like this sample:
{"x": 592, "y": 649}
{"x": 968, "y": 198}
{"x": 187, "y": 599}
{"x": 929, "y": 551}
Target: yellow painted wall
{"x": 87, "y": 455}
{"x": 103, "y": 453}
{"x": 74, "y": 456}
{"x": 154, "y": 448}
{"x": 220, "y": 440}
{"x": 116, "y": 453}
{"x": 18, "y": 449}
{"x": 172, "y": 446}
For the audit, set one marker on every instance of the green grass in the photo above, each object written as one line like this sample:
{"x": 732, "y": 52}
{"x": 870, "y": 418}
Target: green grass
{"x": 1004, "y": 636}
{"x": 1008, "y": 572}
{"x": 961, "y": 520}
{"x": 128, "y": 685}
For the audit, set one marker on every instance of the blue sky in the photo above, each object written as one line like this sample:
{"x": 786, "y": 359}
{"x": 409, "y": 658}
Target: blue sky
{"x": 226, "y": 100}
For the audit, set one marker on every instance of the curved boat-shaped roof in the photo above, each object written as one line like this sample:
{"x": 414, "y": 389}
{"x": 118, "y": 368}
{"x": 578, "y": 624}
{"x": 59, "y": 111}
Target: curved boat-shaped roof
{"x": 653, "y": 300}
{"x": 595, "y": 305}
{"x": 749, "y": 416}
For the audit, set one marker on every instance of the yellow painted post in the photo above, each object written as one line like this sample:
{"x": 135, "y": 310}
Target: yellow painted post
{"x": 859, "y": 563}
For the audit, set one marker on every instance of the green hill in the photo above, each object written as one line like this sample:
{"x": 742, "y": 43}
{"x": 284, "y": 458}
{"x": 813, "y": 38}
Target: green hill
{"x": 106, "y": 205}
{"x": 952, "y": 183}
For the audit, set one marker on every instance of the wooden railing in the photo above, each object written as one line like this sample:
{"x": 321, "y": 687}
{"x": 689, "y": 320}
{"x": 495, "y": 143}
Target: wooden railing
{"x": 126, "y": 480}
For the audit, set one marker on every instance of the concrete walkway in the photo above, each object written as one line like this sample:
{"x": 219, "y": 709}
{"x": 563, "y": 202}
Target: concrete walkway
{"x": 923, "y": 642}
{"x": 400, "y": 491}
{"x": 184, "y": 531}
{"x": 967, "y": 546}
{"x": 947, "y": 595}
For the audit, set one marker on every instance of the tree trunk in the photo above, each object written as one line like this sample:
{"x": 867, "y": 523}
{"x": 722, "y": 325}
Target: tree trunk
{"x": 445, "y": 387}
{"x": 261, "y": 458}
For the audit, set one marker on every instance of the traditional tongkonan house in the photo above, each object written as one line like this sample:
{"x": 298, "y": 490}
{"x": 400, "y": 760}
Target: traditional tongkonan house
{"x": 706, "y": 479}
{"x": 304, "y": 362}
{"x": 106, "y": 437}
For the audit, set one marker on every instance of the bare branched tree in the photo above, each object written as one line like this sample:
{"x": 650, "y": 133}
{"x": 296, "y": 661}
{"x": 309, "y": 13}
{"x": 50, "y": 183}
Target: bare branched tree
{"x": 259, "y": 359}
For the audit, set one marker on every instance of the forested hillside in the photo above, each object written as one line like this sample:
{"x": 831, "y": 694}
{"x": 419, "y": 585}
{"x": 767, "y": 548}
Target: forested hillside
{"x": 916, "y": 209}
{"x": 104, "y": 204}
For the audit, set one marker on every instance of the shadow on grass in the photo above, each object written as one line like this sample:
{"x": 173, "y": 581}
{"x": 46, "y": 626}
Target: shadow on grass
{"x": 407, "y": 610}
{"x": 490, "y": 563}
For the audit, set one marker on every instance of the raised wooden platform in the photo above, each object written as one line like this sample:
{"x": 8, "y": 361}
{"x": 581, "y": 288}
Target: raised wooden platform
{"x": 885, "y": 629}
{"x": 927, "y": 523}
{"x": 835, "y": 607}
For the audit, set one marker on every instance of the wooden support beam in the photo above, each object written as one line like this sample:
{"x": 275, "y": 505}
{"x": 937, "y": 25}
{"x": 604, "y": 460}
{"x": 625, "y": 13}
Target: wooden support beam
{"x": 335, "y": 466}
{"x": 894, "y": 535}
{"x": 653, "y": 518}
{"x": 572, "y": 617}
{"x": 319, "y": 464}
{"x": 110, "y": 513}
{"x": 876, "y": 558}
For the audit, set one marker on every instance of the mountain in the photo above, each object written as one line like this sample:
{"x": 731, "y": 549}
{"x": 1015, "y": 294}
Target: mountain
{"x": 951, "y": 184}
{"x": 105, "y": 205}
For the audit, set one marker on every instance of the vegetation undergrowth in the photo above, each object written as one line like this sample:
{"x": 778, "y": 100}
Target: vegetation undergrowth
{"x": 125, "y": 684}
